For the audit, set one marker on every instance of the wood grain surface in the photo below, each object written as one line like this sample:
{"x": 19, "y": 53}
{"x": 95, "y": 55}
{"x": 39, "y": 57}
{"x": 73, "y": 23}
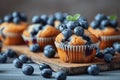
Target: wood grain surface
{"x": 71, "y": 68}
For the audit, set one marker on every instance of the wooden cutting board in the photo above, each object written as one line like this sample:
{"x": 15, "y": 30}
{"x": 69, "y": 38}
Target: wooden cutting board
{"x": 71, "y": 68}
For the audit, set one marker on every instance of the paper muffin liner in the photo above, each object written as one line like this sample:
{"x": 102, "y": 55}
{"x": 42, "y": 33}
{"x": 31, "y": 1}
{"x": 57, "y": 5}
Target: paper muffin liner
{"x": 107, "y": 41}
{"x": 79, "y": 53}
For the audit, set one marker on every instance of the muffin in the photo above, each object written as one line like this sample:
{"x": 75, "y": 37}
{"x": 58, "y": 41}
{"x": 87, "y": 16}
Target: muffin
{"x": 75, "y": 43}
{"x": 106, "y": 29}
{"x": 12, "y": 27}
{"x": 43, "y": 30}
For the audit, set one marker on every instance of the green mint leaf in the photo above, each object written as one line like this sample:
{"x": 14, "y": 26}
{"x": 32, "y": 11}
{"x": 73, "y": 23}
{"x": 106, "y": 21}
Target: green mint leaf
{"x": 69, "y": 18}
{"x": 113, "y": 17}
{"x": 76, "y": 17}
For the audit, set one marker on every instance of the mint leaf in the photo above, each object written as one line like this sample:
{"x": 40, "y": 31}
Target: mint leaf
{"x": 69, "y": 18}
{"x": 113, "y": 17}
{"x": 76, "y": 17}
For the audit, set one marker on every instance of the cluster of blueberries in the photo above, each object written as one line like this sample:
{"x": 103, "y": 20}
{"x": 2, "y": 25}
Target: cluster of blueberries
{"x": 101, "y": 21}
{"x": 15, "y": 17}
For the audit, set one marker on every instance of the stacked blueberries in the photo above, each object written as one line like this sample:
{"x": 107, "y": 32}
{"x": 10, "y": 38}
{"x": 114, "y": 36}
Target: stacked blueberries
{"x": 102, "y": 21}
{"x": 15, "y": 17}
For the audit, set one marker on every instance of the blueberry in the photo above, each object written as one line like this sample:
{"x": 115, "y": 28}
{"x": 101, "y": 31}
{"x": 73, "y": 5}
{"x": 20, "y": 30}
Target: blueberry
{"x": 17, "y": 63}
{"x": 87, "y": 38}
{"x": 27, "y": 70}
{"x": 34, "y": 48}
{"x": 109, "y": 51}
{"x": 79, "y": 31}
{"x": 114, "y": 23}
{"x": 23, "y": 58}
{"x": 44, "y": 17}
{"x": 3, "y": 58}
{"x": 10, "y": 53}
{"x": 67, "y": 33}
{"x": 47, "y": 47}
{"x": 99, "y": 17}
{"x": 49, "y": 52}
{"x": 23, "y": 17}
{"x": 37, "y": 28}
{"x": 116, "y": 46}
{"x": 8, "y": 18}
{"x": 46, "y": 73}
{"x": 70, "y": 25}
{"x": 108, "y": 58}
{"x": 16, "y": 20}
{"x": 99, "y": 54}
{"x": 44, "y": 66}
{"x": 94, "y": 24}
{"x": 105, "y": 23}
{"x": 59, "y": 16}
{"x": 36, "y": 19}
{"x": 1, "y": 21}
{"x": 84, "y": 24}
{"x": 61, "y": 75}
{"x": 51, "y": 20}
{"x": 16, "y": 14}
{"x": 93, "y": 69}
{"x": 62, "y": 27}
{"x": 81, "y": 18}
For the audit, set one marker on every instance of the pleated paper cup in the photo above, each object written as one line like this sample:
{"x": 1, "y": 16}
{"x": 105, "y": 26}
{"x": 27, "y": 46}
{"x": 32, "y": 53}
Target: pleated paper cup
{"x": 75, "y": 54}
{"x": 107, "y": 41}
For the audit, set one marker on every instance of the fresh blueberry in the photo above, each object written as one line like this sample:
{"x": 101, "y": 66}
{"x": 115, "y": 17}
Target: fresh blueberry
{"x": 87, "y": 38}
{"x": 16, "y": 14}
{"x": 109, "y": 51}
{"x": 47, "y": 47}
{"x": 16, "y": 20}
{"x": 49, "y": 52}
{"x": 23, "y": 58}
{"x": 27, "y": 70}
{"x": 108, "y": 58}
{"x": 23, "y": 17}
{"x": 1, "y": 21}
{"x": 70, "y": 25}
{"x": 116, "y": 46}
{"x": 99, "y": 54}
{"x": 114, "y": 23}
{"x": 67, "y": 33}
{"x": 84, "y": 24}
{"x": 51, "y": 20}
{"x": 59, "y": 16}
{"x": 44, "y": 17}
{"x": 10, "y": 53}
{"x": 8, "y": 18}
{"x": 62, "y": 27}
{"x": 34, "y": 32}
{"x": 46, "y": 73}
{"x": 105, "y": 23}
{"x": 37, "y": 28}
{"x": 99, "y": 17}
{"x": 79, "y": 31}
{"x": 93, "y": 69}
{"x": 81, "y": 18}
{"x": 61, "y": 75}
{"x": 3, "y": 58}
{"x": 34, "y": 48}
{"x": 17, "y": 63}
{"x": 94, "y": 24}
{"x": 36, "y": 19}
{"x": 44, "y": 66}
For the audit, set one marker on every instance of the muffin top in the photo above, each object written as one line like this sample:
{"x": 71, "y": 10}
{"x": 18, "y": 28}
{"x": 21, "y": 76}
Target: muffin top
{"x": 15, "y": 23}
{"x": 104, "y": 25}
{"x": 74, "y": 32}
{"x": 45, "y": 25}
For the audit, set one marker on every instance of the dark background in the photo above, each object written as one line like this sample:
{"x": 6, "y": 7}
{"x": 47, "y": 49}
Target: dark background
{"x": 87, "y": 8}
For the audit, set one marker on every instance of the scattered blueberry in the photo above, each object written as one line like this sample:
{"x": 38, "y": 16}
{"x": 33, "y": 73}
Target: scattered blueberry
{"x": 49, "y": 52}
{"x": 81, "y": 18}
{"x": 8, "y": 18}
{"x": 36, "y": 19}
{"x": 94, "y": 24}
{"x": 17, "y": 63}
{"x": 87, "y": 38}
{"x": 23, "y": 17}
{"x": 67, "y": 33}
{"x": 70, "y": 25}
{"x": 46, "y": 73}
{"x": 27, "y": 70}
{"x": 93, "y": 69}
{"x": 10, "y": 53}
{"x": 34, "y": 32}
{"x": 34, "y": 48}
{"x": 114, "y": 23}
{"x": 84, "y": 24}
{"x": 116, "y": 46}
{"x": 61, "y": 75}
{"x": 3, "y": 58}
{"x": 23, "y": 58}
{"x": 48, "y": 46}
{"x": 108, "y": 58}
{"x": 105, "y": 23}
{"x": 99, "y": 17}
{"x": 44, "y": 17}
{"x": 16, "y": 20}
{"x": 109, "y": 51}
{"x": 16, "y": 14}
{"x": 37, "y": 28}
{"x": 59, "y": 16}
{"x": 44, "y": 66}
{"x": 99, "y": 54}
{"x": 51, "y": 20}
{"x": 79, "y": 31}
{"x": 62, "y": 27}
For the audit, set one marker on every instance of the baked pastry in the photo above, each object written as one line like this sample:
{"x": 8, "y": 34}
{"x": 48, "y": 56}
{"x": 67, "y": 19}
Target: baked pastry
{"x": 75, "y": 43}
{"x": 12, "y": 27}
{"x": 106, "y": 30}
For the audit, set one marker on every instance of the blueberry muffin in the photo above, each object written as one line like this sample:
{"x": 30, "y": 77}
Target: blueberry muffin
{"x": 75, "y": 43}
{"x": 12, "y": 27}
{"x": 43, "y": 30}
{"x": 106, "y": 30}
